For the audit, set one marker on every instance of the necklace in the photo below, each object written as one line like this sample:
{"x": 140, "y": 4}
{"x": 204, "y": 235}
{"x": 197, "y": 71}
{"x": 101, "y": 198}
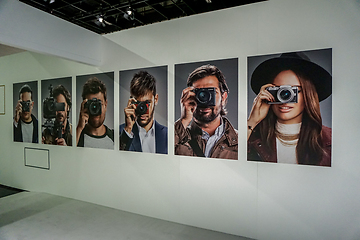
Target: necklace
{"x": 287, "y": 139}
{"x": 288, "y": 134}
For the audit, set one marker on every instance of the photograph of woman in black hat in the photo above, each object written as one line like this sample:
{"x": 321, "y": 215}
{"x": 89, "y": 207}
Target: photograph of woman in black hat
{"x": 285, "y": 123}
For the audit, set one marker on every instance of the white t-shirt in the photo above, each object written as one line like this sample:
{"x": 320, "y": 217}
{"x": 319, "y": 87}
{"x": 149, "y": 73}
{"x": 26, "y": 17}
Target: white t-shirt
{"x": 27, "y": 130}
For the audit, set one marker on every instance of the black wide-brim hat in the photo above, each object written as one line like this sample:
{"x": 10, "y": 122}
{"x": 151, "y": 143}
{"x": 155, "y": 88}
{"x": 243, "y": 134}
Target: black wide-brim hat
{"x": 297, "y": 62}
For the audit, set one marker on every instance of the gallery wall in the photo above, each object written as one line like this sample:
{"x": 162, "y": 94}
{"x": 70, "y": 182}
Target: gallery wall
{"x": 256, "y": 200}
{"x": 31, "y": 29}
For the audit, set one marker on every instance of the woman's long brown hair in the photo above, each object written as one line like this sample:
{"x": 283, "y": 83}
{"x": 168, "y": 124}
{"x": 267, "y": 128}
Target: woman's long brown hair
{"x": 309, "y": 149}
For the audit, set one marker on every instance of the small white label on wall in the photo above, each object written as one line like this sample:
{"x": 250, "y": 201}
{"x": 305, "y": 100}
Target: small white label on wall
{"x": 36, "y": 157}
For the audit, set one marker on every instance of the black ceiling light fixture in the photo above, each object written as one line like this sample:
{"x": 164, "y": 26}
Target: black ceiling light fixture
{"x": 101, "y": 19}
{"x": 129, "y": 13}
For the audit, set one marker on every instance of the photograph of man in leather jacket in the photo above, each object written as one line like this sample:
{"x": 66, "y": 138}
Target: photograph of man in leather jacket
{"x": 203, "y": 129}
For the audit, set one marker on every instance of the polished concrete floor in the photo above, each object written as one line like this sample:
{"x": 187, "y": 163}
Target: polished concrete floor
{"x": 38, "y": 216}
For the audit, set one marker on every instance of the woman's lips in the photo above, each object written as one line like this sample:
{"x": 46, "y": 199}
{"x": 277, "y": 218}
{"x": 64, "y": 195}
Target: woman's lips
{"x": 285, "y": 109}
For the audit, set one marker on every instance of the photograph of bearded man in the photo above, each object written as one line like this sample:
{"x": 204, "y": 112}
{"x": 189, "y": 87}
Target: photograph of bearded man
{"x": 95, "y": 106}
{"x": 143, "y": 110}
{"x": 56, "y": 111}
{"x": 204, "y": 126}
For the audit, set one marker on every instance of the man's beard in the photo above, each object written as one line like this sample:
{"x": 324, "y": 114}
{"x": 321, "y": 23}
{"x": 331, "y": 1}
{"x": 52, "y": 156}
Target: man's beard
{"x": 205, "y": 117}
{"x": 96, "y": 123}
{"x": 141, "y": 124}
{"x": 60, "y": 117}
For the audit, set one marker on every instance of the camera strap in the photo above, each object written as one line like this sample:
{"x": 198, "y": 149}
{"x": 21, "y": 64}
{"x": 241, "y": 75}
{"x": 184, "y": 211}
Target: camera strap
{"x": 195, "y": 147}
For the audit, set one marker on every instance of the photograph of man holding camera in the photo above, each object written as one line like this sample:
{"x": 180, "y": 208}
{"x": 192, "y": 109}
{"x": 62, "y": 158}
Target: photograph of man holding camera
{"x": 57, "y": 129}
{"x": 203, "y": 129}
{"x": 25, "y": 122}
{"x": 141, "y": 132}
{"x": 91, "y": 130}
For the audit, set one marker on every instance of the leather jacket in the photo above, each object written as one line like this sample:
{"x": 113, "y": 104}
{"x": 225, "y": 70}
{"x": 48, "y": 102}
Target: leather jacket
{"x": 257, "y": 151}
{"x": 226, "y": 147}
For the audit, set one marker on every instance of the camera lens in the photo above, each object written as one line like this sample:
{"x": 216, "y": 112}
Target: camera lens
{"x": 25, "y": 106}
{"x": 203, "y": 96}
{"x": 285, "y": 94}
{"x": 95, "y": 108}
{"x": 141, "y": 108}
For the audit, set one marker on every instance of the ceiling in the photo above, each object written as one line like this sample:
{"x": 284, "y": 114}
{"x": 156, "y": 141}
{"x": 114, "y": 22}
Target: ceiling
{"x": 106, "y": 16}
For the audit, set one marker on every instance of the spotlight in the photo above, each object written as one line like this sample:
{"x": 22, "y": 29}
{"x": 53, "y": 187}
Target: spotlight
{"x": 100, "y": 20}
{"x": 129, "y": 14}
{"x": 129, "y": 11}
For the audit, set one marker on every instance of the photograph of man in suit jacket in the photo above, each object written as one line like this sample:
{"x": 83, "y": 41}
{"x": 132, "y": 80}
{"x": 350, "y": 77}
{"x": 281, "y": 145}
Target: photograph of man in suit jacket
{"x": 141, "y": 132}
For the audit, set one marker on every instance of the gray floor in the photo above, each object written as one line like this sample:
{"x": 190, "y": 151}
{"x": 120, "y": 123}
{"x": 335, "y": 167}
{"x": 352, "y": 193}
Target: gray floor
{"x": 29, "y": 215}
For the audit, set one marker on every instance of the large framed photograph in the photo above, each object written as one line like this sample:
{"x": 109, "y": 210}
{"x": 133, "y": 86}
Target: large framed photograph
{"x": 290, "y": 107}
{"x": 95, "y": 110}
{"x": 25, "y": 105}
{"x": 143, "y": 110}
{"x": 206, "y": 109}
{"x": 56, "y": 115}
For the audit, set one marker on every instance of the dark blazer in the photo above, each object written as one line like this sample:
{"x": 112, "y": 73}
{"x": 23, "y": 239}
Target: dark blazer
{"x": 18, "y": 133}
{"x": 134, "y": 144}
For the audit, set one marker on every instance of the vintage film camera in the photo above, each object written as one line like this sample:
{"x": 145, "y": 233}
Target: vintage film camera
{"x": 284, "y": 94}
{"x": 25, "y": 106}
{"x": 93, "y": 106}
{"x": 50, "y": 107}
{"x": 142, "y": 107}
{"x": 205, "y": 97}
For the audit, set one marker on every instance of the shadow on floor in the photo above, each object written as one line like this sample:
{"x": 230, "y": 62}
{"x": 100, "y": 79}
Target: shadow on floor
{"x": 6, "y": 191}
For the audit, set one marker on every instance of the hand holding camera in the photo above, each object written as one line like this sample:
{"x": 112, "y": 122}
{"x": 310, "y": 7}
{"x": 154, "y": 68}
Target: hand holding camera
{"x": 187, "y": 105}
{"x": 83, "y": 118}
{"x": 89, "y": 108}
{"x": 130, "y": 116}
{"x": 18, "y": 111}
{"x": 260, "y": 107}
{"x": 192, "y": 98}
{"x": 51, "y": 107}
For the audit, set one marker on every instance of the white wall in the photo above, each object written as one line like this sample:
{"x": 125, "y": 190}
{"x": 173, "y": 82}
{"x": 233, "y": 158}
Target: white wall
{"x": 257, "y": 200}
{"x": 25, "y": 27}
